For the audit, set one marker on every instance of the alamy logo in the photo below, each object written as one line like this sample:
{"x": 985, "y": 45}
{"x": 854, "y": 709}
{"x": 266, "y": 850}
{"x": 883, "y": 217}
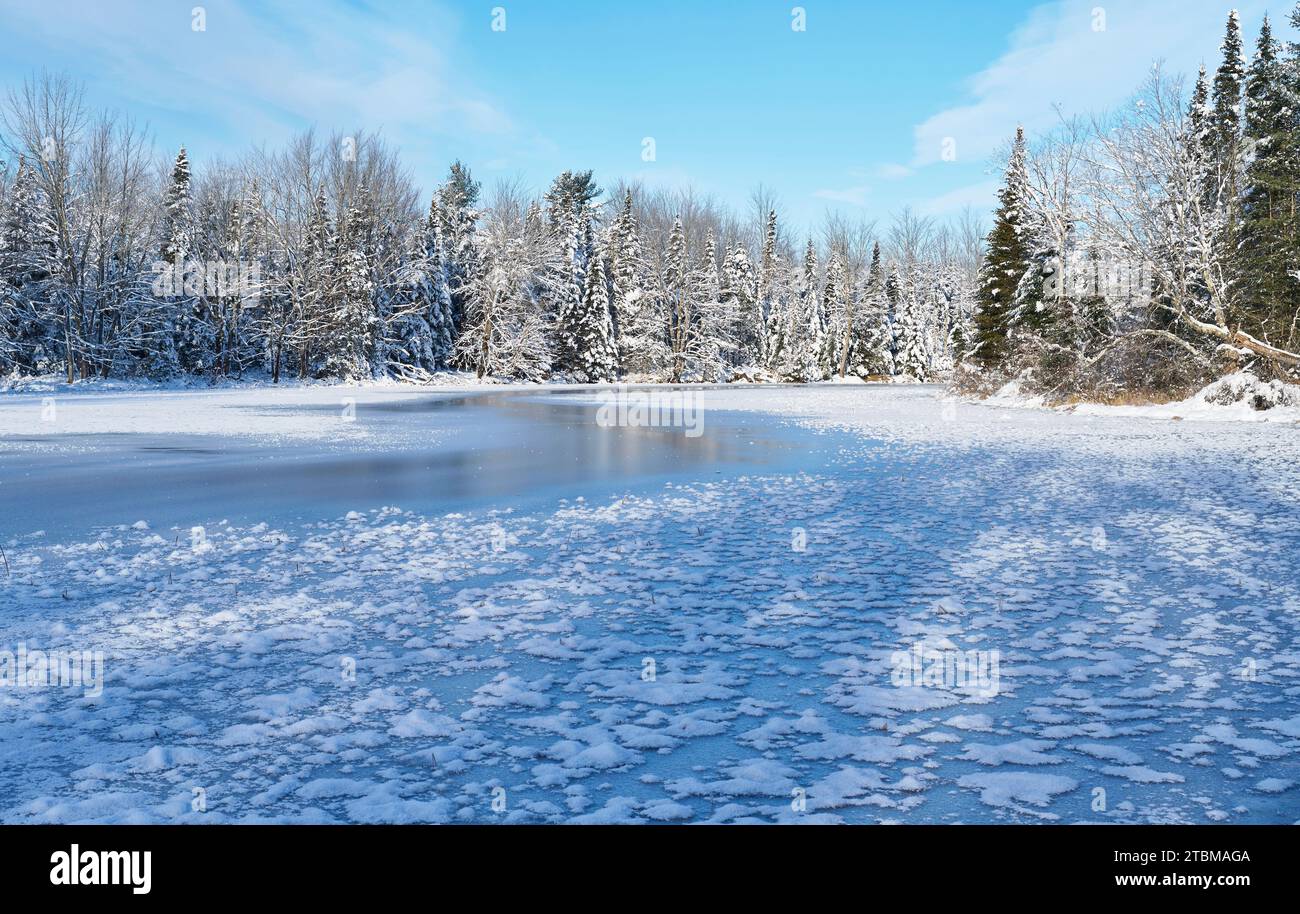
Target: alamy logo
{"x": 947, "y": 668}
{"x": 623, "y": 408}
{"x": 45, "y": 669}
{"x": 207, "y": 278}
{"x": 78, "y": 867}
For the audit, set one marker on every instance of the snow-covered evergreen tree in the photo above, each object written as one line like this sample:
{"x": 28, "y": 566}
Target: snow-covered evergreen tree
{"x": 349, "y": 339}
{"x": 458, "y": 216}
{"x": 801, "y": 345}
{"x": 591, "y": 329}
{"x": 186, "y": 345}
{"x": 1007, "y": 262}
{"x": 835, "y": 318}
{"x": 28, "y": 248}
{"x": 423, "y": 331}
{"x": 1267, "y": 262}
{"x": 911, "y": 355}
{"x": 638, "y": 307}
{"x": 741, "y": 302}
{"x": 873, "y": 336}
{"x": 770, "y": 339}
{"x": 1224, "y": 124}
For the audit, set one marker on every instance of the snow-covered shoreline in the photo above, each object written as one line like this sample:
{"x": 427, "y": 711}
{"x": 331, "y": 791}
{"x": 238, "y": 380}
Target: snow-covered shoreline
{"x": 1238, "y": 397}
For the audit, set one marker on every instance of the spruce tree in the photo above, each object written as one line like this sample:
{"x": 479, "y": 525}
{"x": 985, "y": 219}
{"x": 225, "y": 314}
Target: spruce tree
{"x": 912, "y": 355}
{"x": 28, "y": 250}
{"x": 591, "y": 329}
{"x": 835, "y": 319}
{"x": 186, "y": 334}
{"x": 677, "y": 290}
{"x": 458, "y": 217}
{"x": 569, "y": 287}
{"x": 740, "y": 298}
{"x": 765, "y": 289}
{"x": 709, "y": 338}
{"x": 1267, "y": 237}
{"x": 637, "y": 310}
{"x": 349, "y": 340}
{"x": 872, "y": 349}
{"x": 1005, "y": 263}
{"x": 313, "y": 292}
{"x": 801, "y": 346}
{"x": 1224, "y": 124}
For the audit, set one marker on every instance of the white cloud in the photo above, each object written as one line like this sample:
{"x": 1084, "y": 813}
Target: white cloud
{"x": 855, "y": 196}
{"x": 1056, "y": 56}
{"x": 978, "y": 196}
{"x": 892, "y": 171}
{"x": 267, "y": 68}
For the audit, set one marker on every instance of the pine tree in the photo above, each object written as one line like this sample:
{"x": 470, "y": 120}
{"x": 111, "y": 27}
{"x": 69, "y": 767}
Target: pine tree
{"x": 769, "y": 343}
{"x": 911, "y": 355}
{"x": 187, "y": 346}
{"x": 28, "y": 249}
{"x": 591, "y": 329}
{"x": 709, "y": 332}
{"x": 570, "y": 199}
{"x": 1006, "y": 263}
{"x": 177, "y": 215}
{"x": 1198, "y": 110}
{"x": 637, "y": 310}
{"x": 1268, "y": 240}
{"x": 349, "y": 340}
{"x": 872, "y": 349}
{"x": 422, "y": 335}
{"x": 835, "y": 318}
{"x": 1224, "y": 123}
{"x": 740, "y": 298}
{"x": 803, "y": 334}
{"x": 677, "y": 292}
{"x": 569, "y": 287}
{"x": 313, "y": 292}
{"x": 458, "y": 221}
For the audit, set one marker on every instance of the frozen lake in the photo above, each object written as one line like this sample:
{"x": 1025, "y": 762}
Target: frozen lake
{"x": 857, "y": 604}
{"x": 429, "y": 452}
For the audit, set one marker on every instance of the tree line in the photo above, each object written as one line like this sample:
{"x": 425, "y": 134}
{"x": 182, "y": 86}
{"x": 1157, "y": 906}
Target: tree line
{"x": 1154, "y": 248}
{"x": 320, "y": 260}
{"x": 1145, "y": 251}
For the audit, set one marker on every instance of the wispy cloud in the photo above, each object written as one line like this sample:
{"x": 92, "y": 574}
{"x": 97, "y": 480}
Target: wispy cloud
{"x": 854, "y": 196}
{"x": 981, "y": 196}
{"x": 263, "y": 69}
{"x": 1085, "y": 55}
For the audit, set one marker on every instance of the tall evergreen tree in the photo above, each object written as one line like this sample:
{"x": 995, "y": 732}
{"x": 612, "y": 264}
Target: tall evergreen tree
{"x": 803, "y": 334}
{"x": 349, "y": 342}
{"x": 1225, "y": 114}
{"x": 872, "y": 350}
{"x": 740, "y": 298}
{"x": 28, "y": 248}
{"x": 187, "y": 347}
{"x": 638, "y": 312}
{"x": 592, "y": 330}
{"x": 458, "y": 221}
{"x": 911, "y": 354}
{"x": 835, "y": 318}
{"x": 1005, "y": 264}
{"x": 677, "y": 280}
{"x": 773, "y": 320}
{"x": 1268, "y": 254}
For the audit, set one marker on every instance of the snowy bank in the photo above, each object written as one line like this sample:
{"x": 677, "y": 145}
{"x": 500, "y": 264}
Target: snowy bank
{"x": 1238, "y": 397}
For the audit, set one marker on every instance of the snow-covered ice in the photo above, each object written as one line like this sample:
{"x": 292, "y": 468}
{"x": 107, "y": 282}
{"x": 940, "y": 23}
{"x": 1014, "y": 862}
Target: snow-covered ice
{"x": 724, "y": 645}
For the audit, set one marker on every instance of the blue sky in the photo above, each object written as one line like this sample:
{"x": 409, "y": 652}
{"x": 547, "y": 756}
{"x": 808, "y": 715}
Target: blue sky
{"x": 851, "y": 114}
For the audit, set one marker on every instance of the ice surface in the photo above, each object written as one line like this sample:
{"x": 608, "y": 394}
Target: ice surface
{"x": 673, "y": 652}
